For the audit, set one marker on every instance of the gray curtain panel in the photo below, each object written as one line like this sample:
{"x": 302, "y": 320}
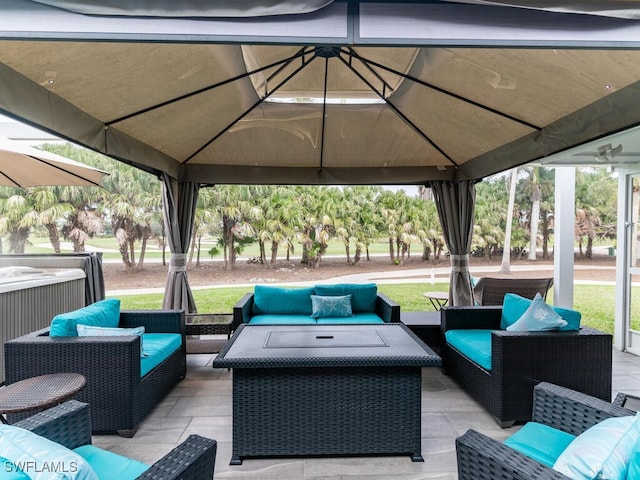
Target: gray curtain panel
{"x": 455, "y": 202}
{"x": 189, "y": 8}
{"x": 179, "y": 206}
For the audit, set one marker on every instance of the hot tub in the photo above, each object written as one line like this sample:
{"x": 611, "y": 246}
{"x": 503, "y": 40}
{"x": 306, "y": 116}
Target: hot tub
{"x": 30, "y": 297}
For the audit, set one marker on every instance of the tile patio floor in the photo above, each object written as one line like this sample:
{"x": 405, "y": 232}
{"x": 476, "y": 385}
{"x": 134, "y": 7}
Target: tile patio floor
{"x": 201, "y": 404}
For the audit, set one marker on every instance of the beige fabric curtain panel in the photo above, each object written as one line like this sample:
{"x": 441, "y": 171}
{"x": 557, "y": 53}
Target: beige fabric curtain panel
{"x": 188, "y": 8}
{"x": 180, "y": 200}
{"x": 455, "y": 202}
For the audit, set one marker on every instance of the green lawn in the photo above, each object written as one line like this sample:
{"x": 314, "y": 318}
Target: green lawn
{"x": 595, "y": 302}
{"x": 109, "y": 247}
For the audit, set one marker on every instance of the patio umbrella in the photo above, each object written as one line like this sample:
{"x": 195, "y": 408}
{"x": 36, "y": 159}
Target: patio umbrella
{"x": 25, "y": 166}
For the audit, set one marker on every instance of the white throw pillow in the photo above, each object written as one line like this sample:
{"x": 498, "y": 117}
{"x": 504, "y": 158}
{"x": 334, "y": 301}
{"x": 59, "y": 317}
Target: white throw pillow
{"x": 90, "y": 331}
{"x": 539, "y": 316}
{"x": 40, "y": 458}
{"x": 603, "y": 451}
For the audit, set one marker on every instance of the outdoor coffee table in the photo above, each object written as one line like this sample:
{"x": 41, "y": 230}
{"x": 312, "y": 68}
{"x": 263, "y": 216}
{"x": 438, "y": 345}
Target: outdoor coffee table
{"x": 38, "y": 393}
{"x": 326, "y": 390}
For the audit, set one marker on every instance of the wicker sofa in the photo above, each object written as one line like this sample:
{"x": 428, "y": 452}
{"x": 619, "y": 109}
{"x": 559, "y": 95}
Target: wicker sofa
{"x": 482, "y": 458}
{"x": 271, "y": 305}
{"x": 120, "y": 397}
{"x": 521, "y": 359}
{"x": 69, "y": 425}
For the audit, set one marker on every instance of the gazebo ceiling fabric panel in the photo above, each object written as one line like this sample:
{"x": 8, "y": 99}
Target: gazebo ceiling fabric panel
{"x": 312, "y": 113}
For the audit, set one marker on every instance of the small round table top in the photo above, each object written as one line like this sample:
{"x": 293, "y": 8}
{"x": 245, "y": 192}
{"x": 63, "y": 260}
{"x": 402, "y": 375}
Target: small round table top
{"x": 437, "y": 295}
{"x": 40, "y": 392}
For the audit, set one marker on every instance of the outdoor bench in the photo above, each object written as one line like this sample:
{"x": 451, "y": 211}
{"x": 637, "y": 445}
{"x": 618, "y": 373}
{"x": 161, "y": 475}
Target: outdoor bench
{"x": 336, "y": 304}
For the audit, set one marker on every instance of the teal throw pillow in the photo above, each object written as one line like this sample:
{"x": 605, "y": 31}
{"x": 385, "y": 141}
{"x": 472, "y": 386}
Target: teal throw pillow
{"x": 105, "y": 313}
{"x": 40, "y": 458}
{"x": 602, "y": 451}
{"x": 363, "y": 296}
{"x": 89, "y": 331}
{"x": 268, "y": 299}
{"x": 538, "y": 317}
{"x": 331, "y": 306}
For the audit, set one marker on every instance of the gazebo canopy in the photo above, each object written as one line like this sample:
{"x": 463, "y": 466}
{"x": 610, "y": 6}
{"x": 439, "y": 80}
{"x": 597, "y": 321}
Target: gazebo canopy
{"x": 348, "y": 92}
{"x": 339, "y": 92}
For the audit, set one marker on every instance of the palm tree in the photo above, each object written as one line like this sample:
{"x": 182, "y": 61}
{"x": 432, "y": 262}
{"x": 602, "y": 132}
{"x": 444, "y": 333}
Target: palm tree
{"x": 14, "y": 204}
{"x": 505, "y": 267}
{"x": 48, "y": 210}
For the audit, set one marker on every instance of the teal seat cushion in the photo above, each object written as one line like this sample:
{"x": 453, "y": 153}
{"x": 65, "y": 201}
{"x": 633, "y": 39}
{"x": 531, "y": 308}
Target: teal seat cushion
{"x": 282, "y": 320}
{"x": 540, "y": 442}
{"x": 357, "y": 319}
{"x": 514, "y": 306}
{"x": 9, "y": 471}
{"x": 473, "y": 344}
{"x": 157, "y": 347}
{"x": 363, "y": 296}
{"x": 104, "y": 313}
{"x": 273, "y": 300}
{"x": 107, "y": 464}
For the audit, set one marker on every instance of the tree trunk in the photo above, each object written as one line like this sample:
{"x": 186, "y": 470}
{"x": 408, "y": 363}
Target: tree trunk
{"x": 348, "y": 252}
{"x": 143, "y": 250}
{"x": 391, "y": 251}
{"x": 274, "y": 254}
{"x": 535, "y": 220}
{"x": 54, "y": 238}
{"x": 545, "y": 234}
{"x": 505, "y": 267}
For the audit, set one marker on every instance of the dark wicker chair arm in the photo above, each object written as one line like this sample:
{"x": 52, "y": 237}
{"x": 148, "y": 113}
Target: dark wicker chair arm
{"x": 68, "y": 424}
{"x": 193, "y": 459}
{"x": 387, "y": 309}
{"x": 455, "y": 318}
{"x": 97, "y": 358}
{"x": 483, "y": 458}
{"x": 154, "y": 321}
{"x": 569, "y": 410}
{"x": 242, "y": 311}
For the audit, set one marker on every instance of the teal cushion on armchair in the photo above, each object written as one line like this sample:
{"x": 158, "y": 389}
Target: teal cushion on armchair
{"x": 268, "y": 299}
{"x": 105, "y": 313}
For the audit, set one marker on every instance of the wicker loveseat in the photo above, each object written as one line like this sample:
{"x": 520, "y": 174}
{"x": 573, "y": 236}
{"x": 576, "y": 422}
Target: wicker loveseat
{"x": 68, "y": 426}
{"x": 518, "y": 360}
{"x": 119, "y": 391}
{"x": 272, "y": 305}
{"x": 480, "y": 457}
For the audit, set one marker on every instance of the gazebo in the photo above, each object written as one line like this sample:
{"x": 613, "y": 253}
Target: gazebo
{"x": 436, "y": 93}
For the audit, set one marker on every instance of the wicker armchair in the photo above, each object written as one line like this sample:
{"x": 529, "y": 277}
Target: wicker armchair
{"x": 69, "y": 425}
{"x": 119, "y": 397}
{"x": 520, "y": 360}
{"x": 491, "y": 291}
{"x": 483, "y": 458}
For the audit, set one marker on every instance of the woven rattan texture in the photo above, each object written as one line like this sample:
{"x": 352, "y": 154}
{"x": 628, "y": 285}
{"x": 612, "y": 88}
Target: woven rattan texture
{"x": 40, "y": 392}
{"x": 326, "y": 411}
{"x": 481, "y": 458}
{"x": 520, "y": 360}
{"x": 119, "y": 397}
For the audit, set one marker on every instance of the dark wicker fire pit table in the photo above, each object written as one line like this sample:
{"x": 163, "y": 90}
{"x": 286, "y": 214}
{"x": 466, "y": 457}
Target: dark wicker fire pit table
{"x": 332, "y": 390}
